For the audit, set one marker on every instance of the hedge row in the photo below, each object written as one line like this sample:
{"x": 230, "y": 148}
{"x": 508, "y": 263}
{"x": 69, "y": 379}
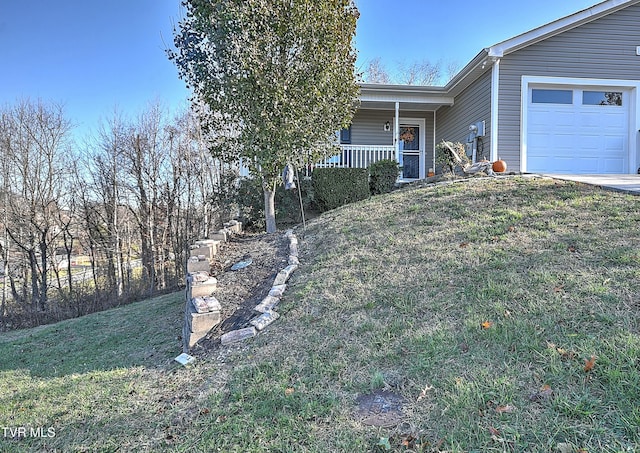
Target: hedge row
{"x": 328, "y": 188}
{"x": 334, "y": 187}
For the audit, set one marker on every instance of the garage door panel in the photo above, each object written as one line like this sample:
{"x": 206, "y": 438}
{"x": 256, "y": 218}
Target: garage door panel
{"x": 562, "y": 118}
{"x": 589, "y": 145}
{"x": 611, "y": 165}
{"x": 588, "y": 119}
{"x": 565, "y": 164}
{"x": 564, "y": 142}
{"x": 577, "y": 138}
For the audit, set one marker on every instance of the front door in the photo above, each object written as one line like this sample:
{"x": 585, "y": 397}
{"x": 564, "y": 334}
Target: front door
{"x": 410, "y": 151}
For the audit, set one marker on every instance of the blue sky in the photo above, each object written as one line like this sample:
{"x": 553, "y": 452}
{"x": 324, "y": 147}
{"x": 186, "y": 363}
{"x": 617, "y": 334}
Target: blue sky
{"x": 97, "y": 56}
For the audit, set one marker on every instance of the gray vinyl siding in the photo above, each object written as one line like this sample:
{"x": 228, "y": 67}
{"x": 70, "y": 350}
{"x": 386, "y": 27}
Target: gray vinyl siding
{"x": 602, "y": 49}
{"x": 367, "y": 127}
{"x": 429, "y": 139}
{"x": 470, "y": 106}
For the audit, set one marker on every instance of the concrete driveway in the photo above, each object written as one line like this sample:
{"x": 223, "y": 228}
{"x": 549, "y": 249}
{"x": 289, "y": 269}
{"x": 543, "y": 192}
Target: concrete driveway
{"x": 620, "y": 183}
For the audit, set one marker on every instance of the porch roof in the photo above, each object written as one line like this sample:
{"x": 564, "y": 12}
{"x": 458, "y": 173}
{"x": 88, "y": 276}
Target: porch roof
{"x": 411, "y": 98}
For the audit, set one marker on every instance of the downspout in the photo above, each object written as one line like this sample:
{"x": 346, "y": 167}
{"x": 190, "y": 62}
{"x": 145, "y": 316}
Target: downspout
{"x": 495, "y": 95}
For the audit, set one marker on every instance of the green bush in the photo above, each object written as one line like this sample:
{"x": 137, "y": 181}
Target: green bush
{"x": 250, "y": 200}
{"x": 383, "y": 175}
{"x": 334, "y": 187}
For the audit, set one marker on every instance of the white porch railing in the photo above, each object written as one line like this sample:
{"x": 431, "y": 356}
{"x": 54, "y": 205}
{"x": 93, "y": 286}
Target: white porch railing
{"x": 358, "y": 156}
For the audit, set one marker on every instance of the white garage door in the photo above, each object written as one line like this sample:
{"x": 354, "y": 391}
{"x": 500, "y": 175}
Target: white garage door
{"x": 577, "y": 130}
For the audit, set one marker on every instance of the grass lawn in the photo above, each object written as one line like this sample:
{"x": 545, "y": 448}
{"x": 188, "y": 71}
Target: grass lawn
{"x": 505, "y": 312}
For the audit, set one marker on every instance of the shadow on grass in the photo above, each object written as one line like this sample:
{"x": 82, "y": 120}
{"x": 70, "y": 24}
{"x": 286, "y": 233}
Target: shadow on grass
{"x": 141, "y": 334}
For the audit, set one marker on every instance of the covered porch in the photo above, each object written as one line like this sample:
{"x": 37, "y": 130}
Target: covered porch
{"x": 392, "y": 122}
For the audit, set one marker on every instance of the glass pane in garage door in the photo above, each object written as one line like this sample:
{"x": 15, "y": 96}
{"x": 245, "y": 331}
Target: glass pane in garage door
{"x": 602, "y": 98}
{"x": 539, "y": 96}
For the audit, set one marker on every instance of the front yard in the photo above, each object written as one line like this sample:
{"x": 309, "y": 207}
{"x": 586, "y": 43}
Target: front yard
{"x": 502, "y": 313}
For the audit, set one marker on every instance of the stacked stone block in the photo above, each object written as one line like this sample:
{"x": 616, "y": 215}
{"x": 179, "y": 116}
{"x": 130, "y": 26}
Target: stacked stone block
{"x": 202, "y": 309}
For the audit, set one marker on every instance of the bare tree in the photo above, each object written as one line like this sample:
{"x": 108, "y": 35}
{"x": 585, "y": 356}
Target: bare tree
{"x": 376, "y": 72}
{"x": 103, "y": 201}
{"x": 422, "y": 72}
{"x": 36, "y": 144}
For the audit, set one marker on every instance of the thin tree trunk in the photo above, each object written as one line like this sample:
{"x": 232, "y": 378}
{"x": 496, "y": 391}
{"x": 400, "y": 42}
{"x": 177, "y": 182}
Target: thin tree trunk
{"x": 269, "y": 208}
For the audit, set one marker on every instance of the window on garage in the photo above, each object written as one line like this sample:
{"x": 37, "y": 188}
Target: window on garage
{"x": 602, "y": 98}
{"x": 547, "y": 96}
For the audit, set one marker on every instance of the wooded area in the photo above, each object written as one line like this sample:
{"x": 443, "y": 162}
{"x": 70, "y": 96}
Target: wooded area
{"x": 87, "y": 226}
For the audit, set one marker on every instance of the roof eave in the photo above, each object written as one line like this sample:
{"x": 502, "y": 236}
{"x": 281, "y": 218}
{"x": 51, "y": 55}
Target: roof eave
{"x": 556, "y": 27}
{"x": 471, "y": 71}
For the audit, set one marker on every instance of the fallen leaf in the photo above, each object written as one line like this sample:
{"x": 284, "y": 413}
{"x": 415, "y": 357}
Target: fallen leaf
{"x": 558, "y": 289}
{"x": 506, "y": 409}
{"x": 589, "y": 364}
{"x": 546, "y": 391}
{"x": 493, "y": 431}
{"x": 572, "y": 249}
{"x": 289, "y": 391}
{"x": 487, "y": 324}
{"x": 424, "y": 391}
{"x": 512, "y": 229}
{"x": 408, "y": 441}
{"x": 464, "y": 244}
{"x": 564, "y": 353}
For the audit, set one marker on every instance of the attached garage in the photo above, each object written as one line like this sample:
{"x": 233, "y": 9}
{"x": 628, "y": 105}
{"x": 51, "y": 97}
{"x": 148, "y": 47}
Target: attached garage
{"x": 577, "y": 128}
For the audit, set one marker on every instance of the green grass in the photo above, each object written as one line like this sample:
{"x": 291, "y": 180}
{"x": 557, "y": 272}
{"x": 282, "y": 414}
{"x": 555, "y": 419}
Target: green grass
{"x": 465, "y": 299}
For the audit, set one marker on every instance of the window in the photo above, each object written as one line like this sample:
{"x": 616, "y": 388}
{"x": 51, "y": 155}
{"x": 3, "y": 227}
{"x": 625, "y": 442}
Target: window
{"x": 601, "y": 98}
{"x": 345, "y": 136}
{"x": 539, "y": 96}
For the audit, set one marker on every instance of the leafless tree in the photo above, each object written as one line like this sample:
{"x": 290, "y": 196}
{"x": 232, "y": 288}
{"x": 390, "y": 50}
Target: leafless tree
{"x": 35, "y": 137}
{"x": 422, "y": 72}
{"x": 376, "y": 72}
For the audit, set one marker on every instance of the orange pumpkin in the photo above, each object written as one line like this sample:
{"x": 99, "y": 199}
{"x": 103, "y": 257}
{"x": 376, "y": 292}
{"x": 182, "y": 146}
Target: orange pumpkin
{"x": 499, "y": 166}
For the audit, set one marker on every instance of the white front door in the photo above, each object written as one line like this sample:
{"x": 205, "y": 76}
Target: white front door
{"x": 411, "y": 155}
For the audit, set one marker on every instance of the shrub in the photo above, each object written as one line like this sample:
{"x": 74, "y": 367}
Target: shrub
{"x": 334, "y": 187}
{"x": 288, "y": 202}
{"x": 250, "y": 199}
{"x": 383, "y": 175}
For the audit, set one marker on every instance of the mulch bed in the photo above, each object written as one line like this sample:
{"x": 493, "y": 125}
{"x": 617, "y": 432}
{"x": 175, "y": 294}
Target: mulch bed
{"x": 239, "y": 291}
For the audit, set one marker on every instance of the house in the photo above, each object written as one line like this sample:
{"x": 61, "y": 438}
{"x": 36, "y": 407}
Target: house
{"x": 562, "y": 98}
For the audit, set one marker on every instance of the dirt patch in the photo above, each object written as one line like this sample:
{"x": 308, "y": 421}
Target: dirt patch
{"x": 239, "y": 291}
{"x": 380, "y": 408}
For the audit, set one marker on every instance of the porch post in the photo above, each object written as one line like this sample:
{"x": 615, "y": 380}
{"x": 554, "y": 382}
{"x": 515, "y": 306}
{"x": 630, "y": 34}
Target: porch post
{"x": 396, "y": 132}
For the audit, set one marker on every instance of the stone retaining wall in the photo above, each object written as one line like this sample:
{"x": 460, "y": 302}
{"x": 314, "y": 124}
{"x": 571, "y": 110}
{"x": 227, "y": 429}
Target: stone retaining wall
{"x": 202, "y": 309}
